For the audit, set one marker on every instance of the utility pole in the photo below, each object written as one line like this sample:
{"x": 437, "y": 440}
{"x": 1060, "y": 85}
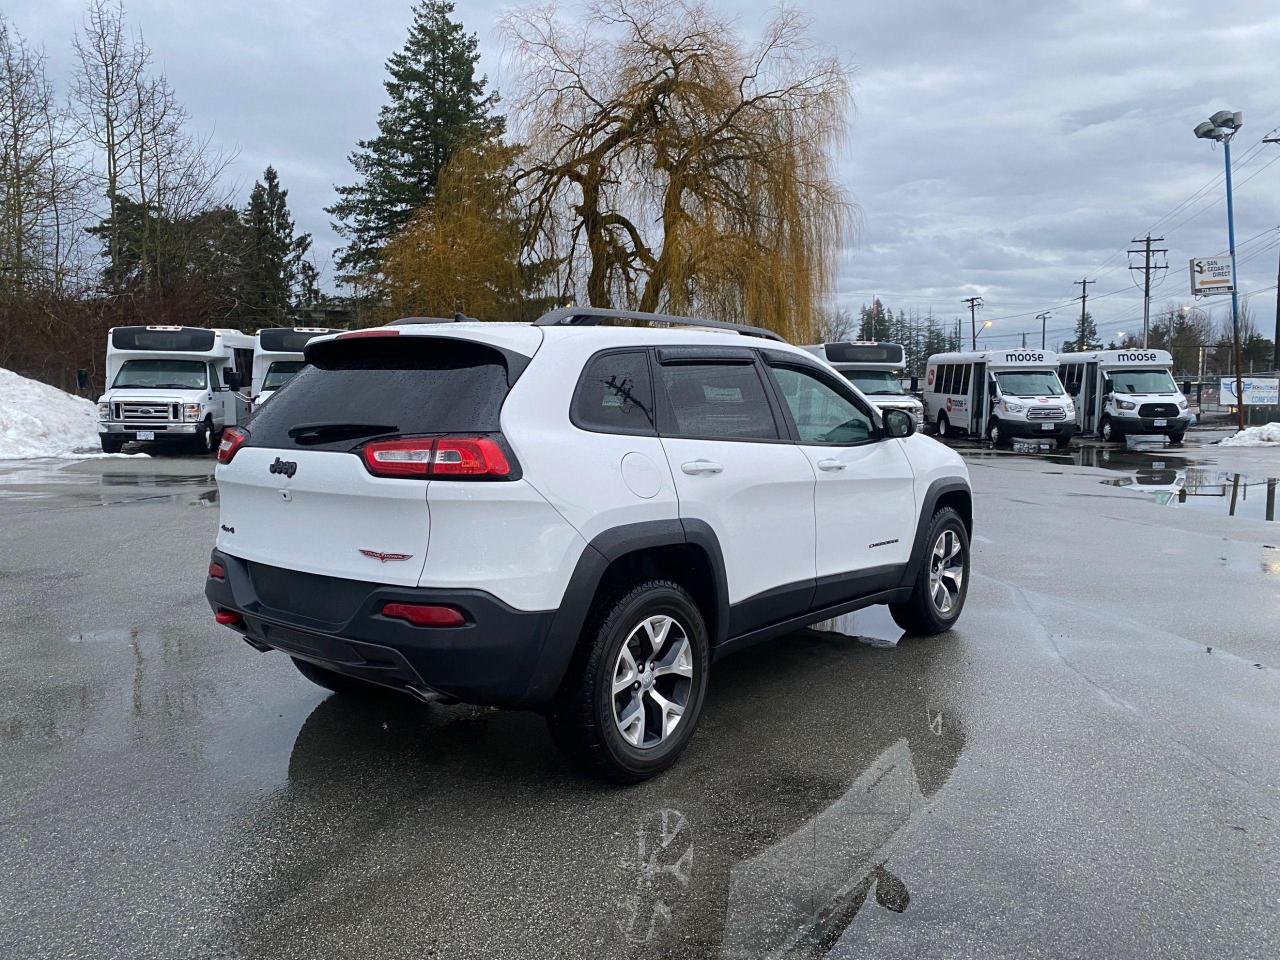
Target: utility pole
{"x": 1235, "y": 284}
{"x": 1147, "y": 269}
{"x": 974, "y": 303}
{"x": 1042, "y": 317}
{"x": 1275, "y": 343}
{"x": 1024, "y": 339}
{"x": 1084, "y": 298}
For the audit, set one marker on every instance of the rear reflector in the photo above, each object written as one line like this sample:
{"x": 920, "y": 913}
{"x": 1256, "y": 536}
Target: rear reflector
{"x": 228, "y": 618}
{"x": 445, "y": 457}
{"x": 233, "y": 439}
{"x": 425, "y": 614}
{"x": 217, "y": 571}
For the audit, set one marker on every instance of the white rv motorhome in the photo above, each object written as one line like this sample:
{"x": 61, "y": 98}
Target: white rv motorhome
{"x": 1123, "y": 392}
{"x": 998, "y": 394}
{"x": 172, "y": 383}
{"x": 875, "y": 369}
{"x": 277, "y": 356}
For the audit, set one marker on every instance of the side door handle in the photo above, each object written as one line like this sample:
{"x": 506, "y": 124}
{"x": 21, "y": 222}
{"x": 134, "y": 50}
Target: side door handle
{"x": 830, "y": 465}
{"x": 698, "y": 467}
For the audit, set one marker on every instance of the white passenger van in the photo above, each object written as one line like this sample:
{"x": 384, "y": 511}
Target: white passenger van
{"x": 277, "y": 356}
{"x": 874, "y": 368}
{"x": 172, "y": 383}
{"x": 998, "y": 394}
{"x": 1122, "y": 392}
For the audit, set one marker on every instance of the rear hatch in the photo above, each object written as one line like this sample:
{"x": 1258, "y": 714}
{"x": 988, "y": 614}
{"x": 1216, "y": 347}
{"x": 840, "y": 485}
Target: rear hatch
{"x": 298, "y": 493}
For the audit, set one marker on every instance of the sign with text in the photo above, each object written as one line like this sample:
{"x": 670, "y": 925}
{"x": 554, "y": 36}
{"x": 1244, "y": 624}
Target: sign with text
{"x": 1262, "y": 391}
{"x": 1211, "y": 276}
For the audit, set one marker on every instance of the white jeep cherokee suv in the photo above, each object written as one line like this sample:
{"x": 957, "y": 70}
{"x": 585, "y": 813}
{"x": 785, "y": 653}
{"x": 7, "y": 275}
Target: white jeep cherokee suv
{"x": 574, "y": 517}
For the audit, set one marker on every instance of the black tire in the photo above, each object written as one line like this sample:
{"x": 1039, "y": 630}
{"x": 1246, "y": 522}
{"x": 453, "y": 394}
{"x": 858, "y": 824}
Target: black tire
{"x": 921, "y": 614}
{"x": 337, "y": 682}
{"x": 995, "y": 434}
{"x": 582, "y": 718}
{"x": 944, "y": 426}
{"x": 206, "y": 441}
{"x": 111, "y": 443}
{"x": 1064, "y": 443}
{"x": 1108, "y": 432}
{"x": 1176, "y": 436}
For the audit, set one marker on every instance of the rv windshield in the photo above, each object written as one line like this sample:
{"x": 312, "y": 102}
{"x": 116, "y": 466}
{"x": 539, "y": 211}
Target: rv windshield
{"x": 279, "y": 373}
{"x": 1029, "y": 383}
{"x": 1142, "y": 381}
{"x": 874, "y": 382}
{"x": 163, "y": 375}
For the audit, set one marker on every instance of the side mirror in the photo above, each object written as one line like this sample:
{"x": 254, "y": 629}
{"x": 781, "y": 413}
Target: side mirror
{"x": 231, "y": 379}
{"x": 1186, "y": 388}
{"x": 899, "y": 423}
{"x": 915, "y": 384}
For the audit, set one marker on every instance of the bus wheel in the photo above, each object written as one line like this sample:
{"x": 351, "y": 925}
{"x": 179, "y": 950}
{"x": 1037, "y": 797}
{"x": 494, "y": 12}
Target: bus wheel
{"x": 1106, "y": 431}
{"x": 1064, "y": 443}
{"x": 1177, "y": 436}
{"x": 205, "y": 439}
{"x": 994, "y": 434}
{"x": 944, "y": 425}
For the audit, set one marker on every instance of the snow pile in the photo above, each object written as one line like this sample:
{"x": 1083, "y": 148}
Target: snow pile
{"x": 37, "y": 420}
{"x": 1265, "y": 436}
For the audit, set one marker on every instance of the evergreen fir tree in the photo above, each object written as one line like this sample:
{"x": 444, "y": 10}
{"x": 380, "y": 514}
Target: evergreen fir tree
{"x": 1086, "y": 337}
{"x": 436, "y": 105}
{"x": 274, "y": 268}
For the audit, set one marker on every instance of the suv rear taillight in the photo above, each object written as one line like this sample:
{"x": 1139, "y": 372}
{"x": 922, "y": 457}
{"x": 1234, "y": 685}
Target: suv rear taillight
{"x": 233, "y": 439}
{"x": 453, "y": 458}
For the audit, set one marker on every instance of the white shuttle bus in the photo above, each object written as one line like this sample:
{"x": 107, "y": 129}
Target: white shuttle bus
{"x": 998, "y": 394}
{"x": 173, "y": 383}
{"x": 1124, "y": 392}
{"x": 874, "y": 368}
{"x": 277, "y": 356}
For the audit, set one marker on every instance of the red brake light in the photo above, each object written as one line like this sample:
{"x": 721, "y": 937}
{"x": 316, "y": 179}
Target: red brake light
{"x": 359, "y": 334}
{"x": 233, "y": 439}
{"x": 425, "y": 614}
{"x": 217, "y": 570}
{"x": 228, "y": 618}
{"x": 469, "y": 457}
{"x": 455, "y": 457}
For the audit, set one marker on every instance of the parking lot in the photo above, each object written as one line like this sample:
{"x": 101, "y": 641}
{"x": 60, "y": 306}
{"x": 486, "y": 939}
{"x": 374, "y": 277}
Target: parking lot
{"x": 1086, "y": 766}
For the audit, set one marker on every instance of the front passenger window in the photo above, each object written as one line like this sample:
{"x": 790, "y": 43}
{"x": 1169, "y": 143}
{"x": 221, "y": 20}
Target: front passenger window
{"x": 821, "y": 414}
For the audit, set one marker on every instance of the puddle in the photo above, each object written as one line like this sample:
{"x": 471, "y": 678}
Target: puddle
{"x": 39, "y": 482}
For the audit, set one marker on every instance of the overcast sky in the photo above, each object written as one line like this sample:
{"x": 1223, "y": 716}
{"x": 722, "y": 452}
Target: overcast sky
{"x": 1002, "y": 149}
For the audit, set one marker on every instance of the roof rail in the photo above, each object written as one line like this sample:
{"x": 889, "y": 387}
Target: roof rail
{"x": 591, "y": 316}
{"x": 456, "y": 318}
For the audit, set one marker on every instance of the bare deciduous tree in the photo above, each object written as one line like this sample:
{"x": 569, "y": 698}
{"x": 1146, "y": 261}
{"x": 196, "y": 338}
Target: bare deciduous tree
{"x": 678, "y": 168}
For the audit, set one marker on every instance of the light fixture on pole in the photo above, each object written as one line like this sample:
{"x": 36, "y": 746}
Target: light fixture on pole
{"x": 1222, "y": 126}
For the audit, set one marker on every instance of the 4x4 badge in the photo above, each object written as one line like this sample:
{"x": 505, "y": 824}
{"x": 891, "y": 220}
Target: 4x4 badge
{"x": 384, "y": 557}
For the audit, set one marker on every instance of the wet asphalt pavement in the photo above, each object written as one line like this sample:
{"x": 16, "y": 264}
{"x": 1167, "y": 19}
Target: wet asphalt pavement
{"x": 1086, "y": 766}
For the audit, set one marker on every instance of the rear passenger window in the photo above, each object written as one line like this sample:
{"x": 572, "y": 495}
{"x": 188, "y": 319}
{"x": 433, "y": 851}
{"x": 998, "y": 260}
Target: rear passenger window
{"x": 944, "y": 379}
{"x": 615, "y": 395}
{"x": 964, "y": 379}
{"x": 718, "y": 401}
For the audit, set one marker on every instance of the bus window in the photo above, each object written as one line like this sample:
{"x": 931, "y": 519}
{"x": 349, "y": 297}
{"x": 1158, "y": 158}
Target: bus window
{"x": 964, "y": 379}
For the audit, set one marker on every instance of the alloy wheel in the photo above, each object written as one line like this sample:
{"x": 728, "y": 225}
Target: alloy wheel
{"x": 652, "y": 681}
{"x": 946, "y": 571}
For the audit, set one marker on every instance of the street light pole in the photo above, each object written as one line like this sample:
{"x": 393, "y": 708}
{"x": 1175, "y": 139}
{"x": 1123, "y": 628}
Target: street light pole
{"x": 1235, "y": 284}
{"x": 1222, "y": 126}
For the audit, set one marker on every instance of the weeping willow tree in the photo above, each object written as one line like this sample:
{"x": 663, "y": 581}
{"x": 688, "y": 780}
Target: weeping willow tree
{"x": 461, "y": 252}
{"x": 669, "y": 165}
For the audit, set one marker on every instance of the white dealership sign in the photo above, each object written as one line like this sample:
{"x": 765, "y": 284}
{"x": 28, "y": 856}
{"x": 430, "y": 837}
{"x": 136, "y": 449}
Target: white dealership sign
{"x": 1257, "y": 390}
{"x": 1211, "y": 275}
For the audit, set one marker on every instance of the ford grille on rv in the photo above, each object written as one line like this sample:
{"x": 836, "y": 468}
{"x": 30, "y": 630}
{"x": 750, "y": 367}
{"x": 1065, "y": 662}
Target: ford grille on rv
{"x": 1046, "y": 413}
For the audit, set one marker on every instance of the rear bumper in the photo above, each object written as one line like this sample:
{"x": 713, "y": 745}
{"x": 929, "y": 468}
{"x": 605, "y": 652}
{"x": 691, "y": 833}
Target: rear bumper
{"x": 498, "y": 658}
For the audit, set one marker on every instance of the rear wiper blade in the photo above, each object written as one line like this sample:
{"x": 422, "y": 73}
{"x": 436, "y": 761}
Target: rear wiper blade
{"x": 319, "y": 432}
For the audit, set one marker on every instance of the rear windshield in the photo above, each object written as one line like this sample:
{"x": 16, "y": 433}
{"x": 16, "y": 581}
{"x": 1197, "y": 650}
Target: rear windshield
{"x": 353, "y": 390}
{"x": 279, "y": 373}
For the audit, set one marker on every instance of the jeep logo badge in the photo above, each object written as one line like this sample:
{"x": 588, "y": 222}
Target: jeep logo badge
{"x": 287, "y": 467}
